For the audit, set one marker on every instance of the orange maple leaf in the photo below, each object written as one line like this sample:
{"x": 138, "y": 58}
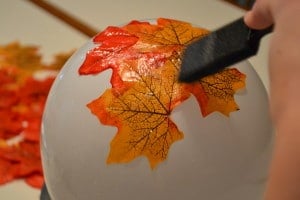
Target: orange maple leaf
{"x": 145, "y": 89}
{"x": 216, "y": 92}
{"x": 25, "y": 57}
{"x": 166, "y": 32}
{"x": 142, "y": 115}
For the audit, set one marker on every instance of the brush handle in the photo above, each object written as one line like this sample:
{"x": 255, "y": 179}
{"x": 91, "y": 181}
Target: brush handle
{"x": 254, "y": 35}
{"x": 221, "y": 48}
{"x": 244, "y": 40}
{"x": 258, "y": 34}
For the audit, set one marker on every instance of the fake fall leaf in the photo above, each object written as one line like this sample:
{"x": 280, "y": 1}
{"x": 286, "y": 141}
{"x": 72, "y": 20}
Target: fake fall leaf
{"x": 22, "y": 100}
{"x": 141, "y": 114}
{"x": 145, "y": 59}
{"x": 216, "y": 92}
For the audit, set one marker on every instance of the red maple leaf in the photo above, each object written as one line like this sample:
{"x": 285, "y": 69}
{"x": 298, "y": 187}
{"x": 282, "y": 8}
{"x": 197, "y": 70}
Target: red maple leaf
{"x": 22, "y": 100}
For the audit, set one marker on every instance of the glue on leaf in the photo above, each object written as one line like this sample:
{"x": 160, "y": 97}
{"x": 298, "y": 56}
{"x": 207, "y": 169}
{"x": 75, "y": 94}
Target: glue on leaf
{"x": 145, "y": 59}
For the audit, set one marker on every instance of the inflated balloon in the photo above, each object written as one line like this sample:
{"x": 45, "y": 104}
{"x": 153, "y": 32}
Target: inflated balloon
{"x": 119, "y": 125}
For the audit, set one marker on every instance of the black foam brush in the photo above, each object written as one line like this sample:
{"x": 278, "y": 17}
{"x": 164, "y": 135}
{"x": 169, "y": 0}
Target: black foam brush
{"x": 219, "y": 49}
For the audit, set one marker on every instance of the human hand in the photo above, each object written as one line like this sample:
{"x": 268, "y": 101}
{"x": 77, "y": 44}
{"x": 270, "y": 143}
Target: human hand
{"x": 266, "y": 12}
{"x": 284, "y": 68}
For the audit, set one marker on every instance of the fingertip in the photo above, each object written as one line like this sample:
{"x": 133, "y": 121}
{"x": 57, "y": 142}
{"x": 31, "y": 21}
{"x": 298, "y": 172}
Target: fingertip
{"x": 259, "y": 17}
{"x": 255, "y": 20}
{"x": 251, "y": 21}
{"x": 247, "y": 18}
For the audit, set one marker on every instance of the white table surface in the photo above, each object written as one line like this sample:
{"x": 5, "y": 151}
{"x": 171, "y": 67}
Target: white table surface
{"x": 24, "y": 22}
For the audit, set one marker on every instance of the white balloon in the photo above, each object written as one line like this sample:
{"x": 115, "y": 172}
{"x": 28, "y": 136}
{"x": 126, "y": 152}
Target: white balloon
{"x": 219, "y": 158}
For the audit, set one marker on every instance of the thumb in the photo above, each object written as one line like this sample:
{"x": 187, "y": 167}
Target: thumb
{"x": 259, "y": 16}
